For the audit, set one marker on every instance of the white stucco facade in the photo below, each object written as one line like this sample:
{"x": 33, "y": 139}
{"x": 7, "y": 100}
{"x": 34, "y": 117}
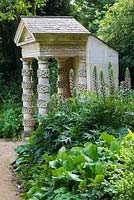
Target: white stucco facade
{"x": 100, "y": 54}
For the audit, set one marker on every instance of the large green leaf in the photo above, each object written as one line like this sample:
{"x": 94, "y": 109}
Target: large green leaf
{"x": 74, "y": 177}
{"x": 91, "y": 151}
{"x": 115, "y": 147}
{"x": 107, "y": 138}
{"x": 98, "y": 169}
{"x": 99, "y": 178}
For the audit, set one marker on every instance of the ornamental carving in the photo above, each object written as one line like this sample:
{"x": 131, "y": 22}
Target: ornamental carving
{"x": 62, "y": 84}
{"x": 42, "y": 103}
{"x": 63, "y": 48}
{"x": 43, "y": 88}
{"x": 82, "y": 86}
{"x": 26, "y": 72}
{"x": 82, "y": 72}
{"x": 62, "y": 71}
{"x": 63, "y": 95}
{"x": 27, "y": 85}
{"x": 43, "y": 73}
{"x": 26, "y": 110}
{"x": 27, "y": 97}
{"x": 28, "y": 122}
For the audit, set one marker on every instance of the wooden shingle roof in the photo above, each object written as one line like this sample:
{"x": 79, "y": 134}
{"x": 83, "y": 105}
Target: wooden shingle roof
{"x": 53, "y": 24}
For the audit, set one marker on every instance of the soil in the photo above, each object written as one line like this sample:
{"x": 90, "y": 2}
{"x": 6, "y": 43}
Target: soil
{"x": 8, "y": 189}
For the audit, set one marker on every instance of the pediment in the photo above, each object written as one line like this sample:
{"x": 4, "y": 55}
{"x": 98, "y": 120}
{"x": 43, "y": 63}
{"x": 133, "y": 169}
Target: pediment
{"x": 23, "y": 35}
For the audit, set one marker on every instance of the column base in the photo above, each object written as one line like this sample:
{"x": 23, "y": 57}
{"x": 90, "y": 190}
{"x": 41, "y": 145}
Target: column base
{"x": 26, "y": 135}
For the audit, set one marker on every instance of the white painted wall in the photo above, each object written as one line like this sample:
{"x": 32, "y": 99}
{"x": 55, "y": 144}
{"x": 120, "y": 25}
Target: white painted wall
{"x": 100, "y": 54}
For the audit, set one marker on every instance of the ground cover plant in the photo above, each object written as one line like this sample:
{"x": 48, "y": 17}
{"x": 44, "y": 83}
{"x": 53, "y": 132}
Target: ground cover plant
{"x": 103, "y": 170}
{"x": 11, "y": 119}
{"x": 82, "y": 148}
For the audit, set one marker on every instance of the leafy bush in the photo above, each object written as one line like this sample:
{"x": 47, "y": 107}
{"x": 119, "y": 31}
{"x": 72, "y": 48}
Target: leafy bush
{"x": 11, "y": 120}
{"x": 76, "y": 120}
{"x": 103, "y": 170}
{"x": 97, "y": 169}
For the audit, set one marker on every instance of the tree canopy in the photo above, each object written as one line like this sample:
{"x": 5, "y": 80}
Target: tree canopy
{"x": 117, "y": 29}
{"x": 90, "y": 12}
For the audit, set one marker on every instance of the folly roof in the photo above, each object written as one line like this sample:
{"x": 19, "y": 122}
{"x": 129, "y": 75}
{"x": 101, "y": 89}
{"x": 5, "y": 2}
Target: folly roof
{"x": 53, "y": 24}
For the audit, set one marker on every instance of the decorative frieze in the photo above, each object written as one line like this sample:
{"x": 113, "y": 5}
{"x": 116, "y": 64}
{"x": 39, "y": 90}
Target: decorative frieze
{"x": 26, "y": 72}
{"x": 62, "y": 48}
{"x": 43, "y": 73}
{"x": 42, "y": 103}
{"x": 27, "y": 85}
{"x": 26, "y": 110}
{"x": 82, "y": 86}
{"x": 28, "y": 122}
{"x": 27, "y": 97}
{"x": 43, "y": 88}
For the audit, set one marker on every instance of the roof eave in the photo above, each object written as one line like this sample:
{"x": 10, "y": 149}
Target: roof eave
{"x": 25, "y": 42}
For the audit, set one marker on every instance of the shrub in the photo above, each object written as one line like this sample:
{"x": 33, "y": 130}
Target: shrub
{"x": 103, "y": 170}
{"x": 11, "y": 119}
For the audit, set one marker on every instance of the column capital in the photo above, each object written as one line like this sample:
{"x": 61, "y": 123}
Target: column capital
{"x": 82, "y": 59}
{"x": 62, "y": 59}
{"x": 65, "y": 62}
{"x": 27, "y": 60}
{"x": 42, "y": 59}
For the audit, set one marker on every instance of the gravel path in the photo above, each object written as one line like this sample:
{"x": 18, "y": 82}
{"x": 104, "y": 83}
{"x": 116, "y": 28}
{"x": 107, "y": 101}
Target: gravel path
{"x": 7, "y": 185}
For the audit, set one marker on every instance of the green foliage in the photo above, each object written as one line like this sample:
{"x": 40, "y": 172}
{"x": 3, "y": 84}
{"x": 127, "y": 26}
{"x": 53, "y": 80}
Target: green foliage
{"x": 102, "y": 85}
{"x": 74, "y": 121}
{"x": 127, "y": 81}
{"x": 11, "y": 120}
{"x": 103, "y": 170}
{"x": 7, "y": 9}
{"x": 71, "y": 123}
{"x": 90, "y": 12}
{"x": 95, "y": 81}
{"x": 57, "y": 8}
{"x": 53, "y": 76}
{"x": 10, "y": 9}
{"x": 118, "y": 25}
{"x": 111, "y": 80}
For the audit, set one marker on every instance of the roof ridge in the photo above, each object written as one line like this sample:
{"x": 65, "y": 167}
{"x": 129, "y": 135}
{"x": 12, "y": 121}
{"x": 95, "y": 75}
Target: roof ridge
{"x": 23, "y": 16}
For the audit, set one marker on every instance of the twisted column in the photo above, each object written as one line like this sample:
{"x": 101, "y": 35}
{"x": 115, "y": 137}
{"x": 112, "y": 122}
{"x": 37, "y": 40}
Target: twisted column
{"x": 82, "y": 75}
{"x": 43, "y": 87}
{"x": 64, "y": 66}
{"x": 27, "y": 97}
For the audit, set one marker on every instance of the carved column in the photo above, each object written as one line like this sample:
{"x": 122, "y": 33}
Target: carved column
{"x": 63, "y": 77}
{"x": 82, "y": 75}
{"x": 43, "y": 87}
{"x": 27, "y": 97}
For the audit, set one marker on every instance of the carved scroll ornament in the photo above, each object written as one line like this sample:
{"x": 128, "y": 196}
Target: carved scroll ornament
{"x": 27, "y": 97}
{"x": 82, "y": 72}
{"x": 43, "y": 88}
{"x": 63, "y": 95}
{"x": 62, "y": 71}
{"x": 42, "y": 103}
{"x": 82, "y": 86}
{"x": 62, "y": 84}
{"x": 28, "y": 122}
{"x": 43, "y": 73}
{"x": 26, "y": 110}
{"x": 27, "y": 85}
{"x": 27, "y": 72}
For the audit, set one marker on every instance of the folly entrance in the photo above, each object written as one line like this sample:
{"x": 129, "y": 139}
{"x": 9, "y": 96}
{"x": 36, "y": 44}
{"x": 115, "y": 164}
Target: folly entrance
{"x": 66, "y": 40}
